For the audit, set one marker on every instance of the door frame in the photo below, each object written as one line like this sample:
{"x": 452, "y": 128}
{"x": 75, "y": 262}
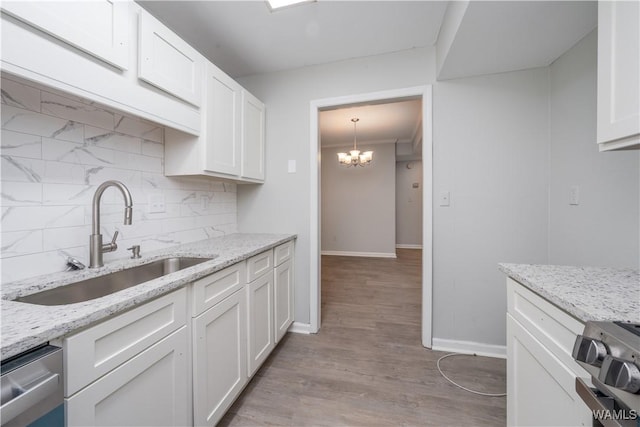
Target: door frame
{"x": 426, "y": 94}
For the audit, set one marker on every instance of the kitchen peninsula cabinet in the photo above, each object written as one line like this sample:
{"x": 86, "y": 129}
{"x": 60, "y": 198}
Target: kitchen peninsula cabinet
{"x": 92, "y": 50}
{"x": 231, "y": 144}
{"x": 618, "y": 105}
{"x": 541, "y": 373}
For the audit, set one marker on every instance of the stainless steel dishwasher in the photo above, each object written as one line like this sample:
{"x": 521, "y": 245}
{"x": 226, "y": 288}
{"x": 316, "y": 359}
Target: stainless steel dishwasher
{"x": 32, "y": 389}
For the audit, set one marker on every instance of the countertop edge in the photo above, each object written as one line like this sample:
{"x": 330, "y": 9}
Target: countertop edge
{"x": 26, "y": 337}
{"x": 567, "y": 288}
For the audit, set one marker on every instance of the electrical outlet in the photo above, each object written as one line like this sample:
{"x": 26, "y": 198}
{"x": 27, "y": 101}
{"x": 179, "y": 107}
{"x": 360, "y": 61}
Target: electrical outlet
{"x": 156, "y": 203}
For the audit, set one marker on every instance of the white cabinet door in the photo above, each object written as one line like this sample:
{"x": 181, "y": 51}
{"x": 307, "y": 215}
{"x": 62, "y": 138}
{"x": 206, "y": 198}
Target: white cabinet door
{"x": 168, "y": 62}
{"x": 219, "y": 358}
{"x": 99, "y": 27}
{"x": 222, "y": 126}
{"x": 95, "y": 351}
{"x": 618, "y": 74}
{"x": 540, "y": 389}
{"x": 260, "y": 313}
{"x": 252, "y": 137}
{"x": 151, "y": 389}
{"x": 283, "y": 296}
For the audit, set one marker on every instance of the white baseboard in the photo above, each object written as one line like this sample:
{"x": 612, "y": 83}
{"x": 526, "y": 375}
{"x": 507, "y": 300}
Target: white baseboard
{"x": 469, "y": 347}
{"x": 407, "y": 246}
{"x": 300, "y": 328}
{"x": 360, "y": 254}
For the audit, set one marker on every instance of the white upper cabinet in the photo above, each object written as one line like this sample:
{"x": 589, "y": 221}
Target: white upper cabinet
{"x": 231, "y": 143}
{"x": 252, "y": 137}
{"x": 56, "y": 44}
{"x": 222, "y": 150}
{"x": 168, "y": 62}
{"x": 618, "y": 74}
{"x": 100, "y": 28}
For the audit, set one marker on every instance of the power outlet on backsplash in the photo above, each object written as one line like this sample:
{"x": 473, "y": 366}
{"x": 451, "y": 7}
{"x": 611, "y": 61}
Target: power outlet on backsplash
{"x": 156, "y": 203}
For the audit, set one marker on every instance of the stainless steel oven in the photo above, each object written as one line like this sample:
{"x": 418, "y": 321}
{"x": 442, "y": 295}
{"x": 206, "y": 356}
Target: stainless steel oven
{"x": 610, "y": 352}
{"x": 32, "y": 389}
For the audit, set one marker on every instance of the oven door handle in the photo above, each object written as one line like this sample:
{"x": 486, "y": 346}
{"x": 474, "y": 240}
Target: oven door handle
{"x": 34, "y": 393}
{"x": 589, "y": 397}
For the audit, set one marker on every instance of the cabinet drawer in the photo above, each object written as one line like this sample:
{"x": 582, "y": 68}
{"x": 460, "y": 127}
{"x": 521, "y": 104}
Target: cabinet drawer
{"x": 148, "y": 390}
{"x": 553, "y": 327}
{"x": 93, "y": 352}
{"x": 259, "y": 264}
{"x": 212, "y": 289}
{"x": 283, "y": 252}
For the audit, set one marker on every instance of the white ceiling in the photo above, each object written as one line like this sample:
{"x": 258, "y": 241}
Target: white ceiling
{"x": 379, "y": 123}
{"x": 245, "y": 38}
{"x": 500, "y": 36}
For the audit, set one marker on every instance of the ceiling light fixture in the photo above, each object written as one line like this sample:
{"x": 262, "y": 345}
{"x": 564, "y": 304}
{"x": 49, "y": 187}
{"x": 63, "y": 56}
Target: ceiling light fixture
{"x": 354, "y": 158}
{"x": 279, "y": 4}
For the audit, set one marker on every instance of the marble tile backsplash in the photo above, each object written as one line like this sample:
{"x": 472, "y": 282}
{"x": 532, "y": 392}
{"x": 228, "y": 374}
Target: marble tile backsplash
{"x": 56, "y": 149}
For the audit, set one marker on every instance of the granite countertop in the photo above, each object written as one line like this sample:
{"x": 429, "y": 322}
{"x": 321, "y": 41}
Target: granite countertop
{"x": 587, "y": 293}
{"x": 25, "y": 326}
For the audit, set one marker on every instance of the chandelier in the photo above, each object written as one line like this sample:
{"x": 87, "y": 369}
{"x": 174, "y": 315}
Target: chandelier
{"x": 355, "y": 158}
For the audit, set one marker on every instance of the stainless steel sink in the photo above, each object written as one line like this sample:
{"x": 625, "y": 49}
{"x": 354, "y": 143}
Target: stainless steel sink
{"x": 97, "y": 287}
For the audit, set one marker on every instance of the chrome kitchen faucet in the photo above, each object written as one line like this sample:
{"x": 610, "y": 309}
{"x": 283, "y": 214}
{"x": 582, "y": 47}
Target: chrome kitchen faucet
{"x": 96, "y": 248}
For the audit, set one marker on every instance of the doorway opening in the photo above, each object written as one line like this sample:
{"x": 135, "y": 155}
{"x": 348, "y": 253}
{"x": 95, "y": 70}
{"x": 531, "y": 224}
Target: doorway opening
{"x": 359, "y": 104}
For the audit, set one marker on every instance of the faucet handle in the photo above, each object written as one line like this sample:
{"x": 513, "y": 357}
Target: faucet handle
{"x": 113, "y": 243}
{"x": 110, "y": 247}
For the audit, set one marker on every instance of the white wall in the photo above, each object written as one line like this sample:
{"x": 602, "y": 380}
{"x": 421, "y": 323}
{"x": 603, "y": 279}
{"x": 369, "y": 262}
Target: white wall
{"x": 496, "y": 152}
{"x": 603, "y": 229}
{"x": 57, "y": 149}
{"x": 282, "y": 203}
{"x": 409, "y": 204}
{"x": 358, "y": 203}
{"x": 491, "y": 153}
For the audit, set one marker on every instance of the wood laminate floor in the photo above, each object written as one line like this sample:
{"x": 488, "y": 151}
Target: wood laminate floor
{"x": 366, "y": 366}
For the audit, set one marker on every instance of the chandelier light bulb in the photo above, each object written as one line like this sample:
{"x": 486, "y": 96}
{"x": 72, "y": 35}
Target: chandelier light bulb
{"x": 355, "y": 157}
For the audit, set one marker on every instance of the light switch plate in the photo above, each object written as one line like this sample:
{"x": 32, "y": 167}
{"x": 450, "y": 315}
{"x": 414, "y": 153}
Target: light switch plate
{"x": 444, "y": 198}
{"x": 574, "y": 195}
{"x": 291, "y": 167}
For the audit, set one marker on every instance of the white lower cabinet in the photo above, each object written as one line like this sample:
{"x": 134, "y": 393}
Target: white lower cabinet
{"x": 150, "y": 366}
{"x": 151, "y": 389}
{"x": 283, "y": 298}
{"x": 542, "y": 392}
{"x": 219, "y": 358}
{"x": 132, "y": 369}
{"x": 541, "y": 373}
{"x": 261, "y": 331}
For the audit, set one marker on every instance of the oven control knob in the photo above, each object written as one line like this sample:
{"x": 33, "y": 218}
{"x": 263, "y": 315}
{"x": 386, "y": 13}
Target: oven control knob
{"x": 620, "y": 374}
{"x": 589, "y": 350}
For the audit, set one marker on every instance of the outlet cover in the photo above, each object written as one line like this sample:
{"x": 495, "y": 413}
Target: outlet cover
{"x": 156, "y": 203}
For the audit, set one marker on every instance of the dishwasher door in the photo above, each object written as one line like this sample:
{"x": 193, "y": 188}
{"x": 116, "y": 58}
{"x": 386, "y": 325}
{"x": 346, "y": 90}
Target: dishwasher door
{"x": 32, "y": 389}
